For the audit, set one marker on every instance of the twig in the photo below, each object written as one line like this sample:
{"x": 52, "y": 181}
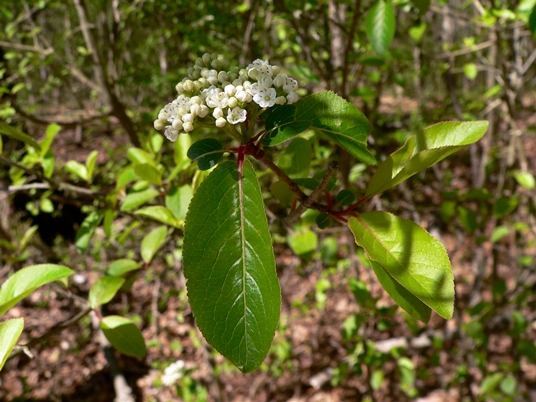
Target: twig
{"x": 310, "y": 201}
{"x": 26, "y": 48}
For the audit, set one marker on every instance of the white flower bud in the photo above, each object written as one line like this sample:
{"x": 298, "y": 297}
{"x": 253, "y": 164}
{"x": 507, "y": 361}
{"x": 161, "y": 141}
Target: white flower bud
{"x": 230, "y": 90}
{"x": 188, "y": 86}
{"x": 204, "y": 72}
{"x": 254, "y": 73}
{"x": 203, "y": 111}
{"x": 179, "y": 87}
{"x": 194, "y": 109}
{"x": 171, "y": 134}
{"x": 222, "y": 76}
{"x": 279, "y": 80}
{"x": 241, "y": 96}
{"x": 212, "y": 80}
{"x": 266, "y": 82}
{"x": 207, "y": 59}
{"x": 246, "y": 84}
{"x": 220, "y": 122}
{"x": 217, "y": 113}
{"x": 216, "y": 64}
{"x": 280, "y": 100}
{"x": 232, "y": 102}
{"x": 188, "y": 117}
{"x": 292, "y": 97}
{"x": 195, "y": 100}
{"x": 177, "y": 124}
{"x": 159, "y": 124}
{"x": 187, "y": 127}
{"x": 276, "y": 70}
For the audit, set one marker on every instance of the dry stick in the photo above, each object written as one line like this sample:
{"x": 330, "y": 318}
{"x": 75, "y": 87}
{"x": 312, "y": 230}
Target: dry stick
{"x": 52, "y": 183}
{"x": 309, "y": 201}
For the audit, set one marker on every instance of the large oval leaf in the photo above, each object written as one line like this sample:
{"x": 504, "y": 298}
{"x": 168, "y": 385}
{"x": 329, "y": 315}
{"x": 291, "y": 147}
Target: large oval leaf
{"x": 10, "y": 331}
{"x": 326, "y": 113}
{"x": 207, "y": 152}
{"x": 229, "y": 263}
{"x": 124, "y": 335}
{"x": 380, "y": 25}
{"x": 419, "y": 152}
{"x": 23, "y": 282}
{"x": 414, "y": 258}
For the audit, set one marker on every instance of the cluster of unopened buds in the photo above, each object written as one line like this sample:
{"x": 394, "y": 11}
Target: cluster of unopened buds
{"x": 210, "y": 94}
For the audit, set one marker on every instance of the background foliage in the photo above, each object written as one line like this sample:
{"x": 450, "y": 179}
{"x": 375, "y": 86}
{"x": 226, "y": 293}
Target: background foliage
{"x": 85, "y": 81}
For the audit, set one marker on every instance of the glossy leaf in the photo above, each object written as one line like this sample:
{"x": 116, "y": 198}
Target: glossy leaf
{"x": 50, "y": 133}
{"x": 10, "y": 332}
{"x": 380, "y": 25}
{"x": 87, "y": 229}
{"x": 135, "y": 199}
{"x": 178, "y": 199}
{"x": 207, "y": 152}
{"x": 122, "y": 266}
{"x": 149, "y": 173}
{"x": 230, "y": 266}
{"x": 23, "y": 282}
{"x": 77, "y": 169}
{"x": 151, "y": 242}
{"x": 295, "y": 160}
{"x": 16, "y": 134}
{"x": 419, "y": 152}
{"x": 422, "y": 5}
{"x": 403, "y": 297}
{"x": 161, "y": 214}
{"x": 139, "y": 156}
{"x": 328, "y": 114}
{"x": 124, "y": 335}
{"x": 90, "y": 163}
{"x": 104, "y": 290}
{"x": 409, "y": 254}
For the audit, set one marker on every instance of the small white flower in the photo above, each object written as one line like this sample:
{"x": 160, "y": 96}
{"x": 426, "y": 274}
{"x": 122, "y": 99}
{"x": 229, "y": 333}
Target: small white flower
{"x": 203, "y": 111}
{"x": 230, "y": 90}
{"x": 290, "y": 85}
{"x": 220, "y": 122}
{"x": 236, "y": 115}
{"x": 265, "y": 97}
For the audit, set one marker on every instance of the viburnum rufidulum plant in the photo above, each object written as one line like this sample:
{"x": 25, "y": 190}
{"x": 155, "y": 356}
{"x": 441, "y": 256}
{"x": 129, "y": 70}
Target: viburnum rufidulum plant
{"x": 228, "y": 256}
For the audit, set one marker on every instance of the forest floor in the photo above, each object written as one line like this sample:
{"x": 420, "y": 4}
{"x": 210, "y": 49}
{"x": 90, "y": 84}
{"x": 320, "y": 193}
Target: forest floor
{"x": 310, "y": 353}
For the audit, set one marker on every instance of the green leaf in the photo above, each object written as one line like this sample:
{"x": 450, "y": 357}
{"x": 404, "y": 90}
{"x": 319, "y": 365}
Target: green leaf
{"x": 509, "y": 385}
{"x": 303, "y": 243}
{"x": 10, "y": 331}
{"x": 51, "y": 132}
{"x": 48, "y": 164}
{"x": 504, "y": 205}
{"x": 403, "y": 297}
{"x": 125, "y": 176}
{"x": 16, "y": 134}
{"x": 380, "y": 25}
{"x": 467, "y": 218}
{"x": 230, "y": 266}
{"x": 295, "y": 160}
{"x": 499, "y": 232}
{"x": 134, "y": 200}
{"x": 139, "y": 157}
{"x": 526, "y": 179}
{"x": 419, "y": 152}
{"x": 122, "y": 266}
{"x": 327, "y": 113}
{"x": 23, "y": 282}
{"x": 104, "y": 290}
{"x": 161, "y": 214}
{"x": 124, "y": 335}
{"x": 28, "y": 234}
{"x": 178, "y": 199}
{"x": 149, "y": 173}
{"x": 422, "y": 5}
{"x": 409, "y": 254}
{"x": 77, "y": 169}
{"x": 532, "y": 21}
{"x": 151, "y": 242}
{"x": 207, "y": 152}
{"x": 87, "y": 229}
{"x": 90, "y": 164}
{"x": 470, "y": 70}
{"x": 490, "y": 382}
{"x": 283, "y": 193}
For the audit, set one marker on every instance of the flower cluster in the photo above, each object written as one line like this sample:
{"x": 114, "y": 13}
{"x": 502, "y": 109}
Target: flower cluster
{"x": 210, "y": 94}
{"x": 173, "y": 373}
